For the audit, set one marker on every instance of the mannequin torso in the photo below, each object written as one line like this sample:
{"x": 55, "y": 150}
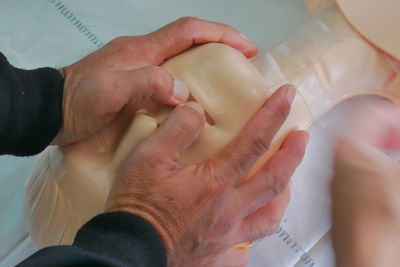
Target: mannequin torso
{"x": 327, "y": 60}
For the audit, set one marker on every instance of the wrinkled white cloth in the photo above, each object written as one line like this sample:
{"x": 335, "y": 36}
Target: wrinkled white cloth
{"x": 59, "y": 32}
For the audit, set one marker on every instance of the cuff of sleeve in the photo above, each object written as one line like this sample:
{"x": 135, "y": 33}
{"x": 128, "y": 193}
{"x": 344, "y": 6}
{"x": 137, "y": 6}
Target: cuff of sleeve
{"x": 35, "y": 113}
{"x": 125, "y": 237}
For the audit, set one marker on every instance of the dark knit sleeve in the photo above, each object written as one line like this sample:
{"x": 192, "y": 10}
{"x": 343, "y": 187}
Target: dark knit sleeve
{"x": 112, "y": 239}
{"x": 30, "y": 117}
{"x": 30, "y": 108}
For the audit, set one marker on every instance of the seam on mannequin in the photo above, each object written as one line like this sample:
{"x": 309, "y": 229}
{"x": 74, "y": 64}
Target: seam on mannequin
{"x": 103, "y": 141}
{"x": 53, "y": 209}
{"x": 289, "y": 77}
{"x": 44, "y": 197}
{"x": 369, "y": 93}
{"x": 322, "y": 77}
{"x": 392, "y": 63}
{"x": 38, "y": 183}
{"x": 50, "y": 190}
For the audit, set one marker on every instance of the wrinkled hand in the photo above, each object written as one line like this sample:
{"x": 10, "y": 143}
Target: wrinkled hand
{"x": 199, "y": 210}
{"x": 366, "y": 191}
{"x": 124, "y": 73}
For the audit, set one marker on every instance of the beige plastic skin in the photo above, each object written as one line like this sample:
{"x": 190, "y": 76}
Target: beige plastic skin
{"x": 377, "y": 20}
{"x": 326, "y": 60}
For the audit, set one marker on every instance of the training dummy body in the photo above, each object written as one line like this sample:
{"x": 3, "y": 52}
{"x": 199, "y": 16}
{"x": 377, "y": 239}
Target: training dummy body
{"x": 327, "y": 60}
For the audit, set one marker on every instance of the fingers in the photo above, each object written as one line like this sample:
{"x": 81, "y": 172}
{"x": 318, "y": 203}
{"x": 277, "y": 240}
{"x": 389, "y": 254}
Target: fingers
{"x": 155, "y": 83}
{"x": 186, "y": 32}
{"x": 272, "y": 179}
{"x": 240, "y": 154}
{"x": 266, "y": 220}
{"x": 176, "y": 134}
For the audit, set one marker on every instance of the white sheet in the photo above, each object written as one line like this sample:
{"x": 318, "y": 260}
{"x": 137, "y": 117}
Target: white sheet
{"x": 58, "y": 32}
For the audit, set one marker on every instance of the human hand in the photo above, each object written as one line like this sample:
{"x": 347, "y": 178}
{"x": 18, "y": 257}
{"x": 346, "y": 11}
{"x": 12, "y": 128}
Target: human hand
{"x": 365, "y": 190}
{"x": 200, "y": 211}
{"x": 125, "y": 72}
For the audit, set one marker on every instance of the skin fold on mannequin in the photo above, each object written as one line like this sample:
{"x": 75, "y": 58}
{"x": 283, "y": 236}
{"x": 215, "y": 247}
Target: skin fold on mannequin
{"x": 326, "y": 60}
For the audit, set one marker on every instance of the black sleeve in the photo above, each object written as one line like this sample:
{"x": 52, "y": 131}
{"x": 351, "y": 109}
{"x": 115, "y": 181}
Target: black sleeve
{"x": 30, "y": 108}
{"x": 30, "y": 117}
{"x": 111, "y": 239}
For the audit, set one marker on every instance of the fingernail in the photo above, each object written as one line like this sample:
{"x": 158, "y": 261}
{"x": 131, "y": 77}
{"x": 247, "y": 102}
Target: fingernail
{"x": 196, "y": 107}
{"x": 181, "y": 92}
{"x": 290, "y": 93}
{"x": 141, "y": 111}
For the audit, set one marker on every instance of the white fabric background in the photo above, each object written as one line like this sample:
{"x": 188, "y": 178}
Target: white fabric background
{"x": 36, "y": 33}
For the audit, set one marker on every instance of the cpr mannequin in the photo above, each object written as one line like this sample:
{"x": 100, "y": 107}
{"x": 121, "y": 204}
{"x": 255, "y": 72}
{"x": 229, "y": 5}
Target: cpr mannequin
{"x": 327, "y": 60}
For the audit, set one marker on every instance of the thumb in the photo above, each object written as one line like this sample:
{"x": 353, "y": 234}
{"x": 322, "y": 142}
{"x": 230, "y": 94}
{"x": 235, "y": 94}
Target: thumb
{"x": 153, "y": 83}
{"x": 177, "y": 133}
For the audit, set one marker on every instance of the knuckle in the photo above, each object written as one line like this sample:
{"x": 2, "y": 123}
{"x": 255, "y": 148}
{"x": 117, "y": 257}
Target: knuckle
{"x": 275, "y": 185}
{"x": 186, "y": 125}
{"x": 143, "y": 152}
{"x": 105, "y": 104}
{"x": 126, "y": 45}
{"x": 277, "y": 188}
{"x": 227, "y": 222}
{"x": 236, "y": 167}
{"x": 218, "y": 185}
{"x": 260, "y": 233}
{"x": 155, "y": 72}
{"x": 188, "y": 119}
{"x": 104, "y": 115}
{"x": 215, "y": 183}
{"x": 158, "y": 77}
{"x": 260, "y": 145}
{"x": 188, "y": 21}
{"x": 112, "y": 94}
{"x": 280, "y": 111}
{"x": 151, "y": 76}
{"x": 189, "y": 24}
{"x": 272, "y": 224}
{"x": 134, "y": 48}
{"x": 273, "y": 221}
{"x": 273, "y": 229}
{"x": 257, "y": 234}
{"x": 146, "y": 156}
